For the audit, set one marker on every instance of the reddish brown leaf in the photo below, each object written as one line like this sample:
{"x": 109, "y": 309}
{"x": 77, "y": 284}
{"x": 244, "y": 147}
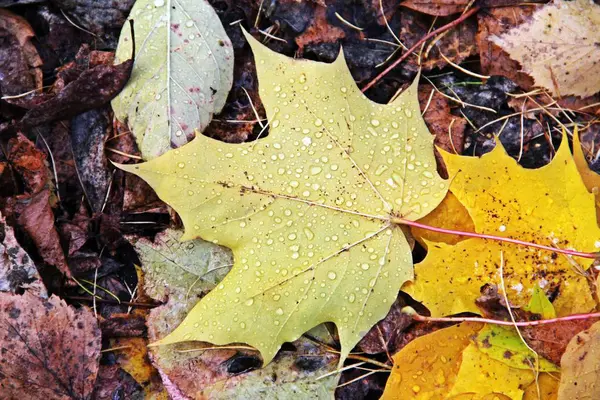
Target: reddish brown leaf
{"x": 319, "y": 31}
{"x": 439, "y": 8}
{"x": 37, "y": 219}
{"x": 449, "y": 130}
{"x": 29, "y": 163}
{"x": 48, "y": 349}
{"x": 551, "y": 340}
{"x": 19, "y": 60}
{"x": 494, "y": 60}
{"x": 94, "y": 88}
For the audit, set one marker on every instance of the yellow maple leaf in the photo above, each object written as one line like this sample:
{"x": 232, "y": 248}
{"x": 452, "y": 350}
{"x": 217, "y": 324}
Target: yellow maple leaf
{"x": 307, "y": 211}
{"x": 445, "y": 364}
{"x": 549, "y": 205}
{"x": 427, "y": 367}
{"x": 450, "y": 214}
{"x": 558, "y": 47}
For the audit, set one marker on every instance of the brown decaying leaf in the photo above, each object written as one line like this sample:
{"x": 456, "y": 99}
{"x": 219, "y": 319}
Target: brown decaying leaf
{"x": 494, "y": 60}
{"x": 319, "y": 31}
{"x": 382, "y": 338}
{"x": 19, "y": 60}
{"x": 48, "y": 349}
{"x": 33, "y": 208}
{"x": 439, "y": 8}
{"x": 115, "y": 383}
{"x": 17, "y": 270}
{"x": 124, "y": 325}
{"x": 94, "y": 88}
{"x": 37, "y": 219}
{"x": 550, "y": 341}
{"x": 449, "y": 130}
{"x": 456, "y": 44}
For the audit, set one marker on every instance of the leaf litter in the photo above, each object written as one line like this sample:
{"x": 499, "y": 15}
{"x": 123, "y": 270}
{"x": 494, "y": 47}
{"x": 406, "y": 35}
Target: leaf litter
{"x": 466, "y": 108}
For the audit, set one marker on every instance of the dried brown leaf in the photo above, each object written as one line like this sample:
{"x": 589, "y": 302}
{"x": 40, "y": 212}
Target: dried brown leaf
{"x": 456, "y": 44}
{"x": 49, "y": 350}
{"x": 494, "y": 60}
{"x": 19, "y": 60}
{"x": 37, "y": 219}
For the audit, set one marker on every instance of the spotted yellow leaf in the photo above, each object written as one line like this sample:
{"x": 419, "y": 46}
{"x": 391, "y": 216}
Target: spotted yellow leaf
{"x": 549, "y": 205}
{"x": 307, "y": 210}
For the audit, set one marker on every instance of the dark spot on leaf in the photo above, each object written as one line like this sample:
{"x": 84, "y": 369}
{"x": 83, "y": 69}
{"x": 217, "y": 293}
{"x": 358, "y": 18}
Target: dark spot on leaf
{"x": 309, "y": 364}
{"x": 14, "y": 313}
{"x": 242, "y": 364}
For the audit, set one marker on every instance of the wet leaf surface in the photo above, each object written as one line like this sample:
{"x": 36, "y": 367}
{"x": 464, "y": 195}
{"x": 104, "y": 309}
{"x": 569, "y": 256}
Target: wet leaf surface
{"x": 318, "y": 253}
{"x": 182, "y": 74}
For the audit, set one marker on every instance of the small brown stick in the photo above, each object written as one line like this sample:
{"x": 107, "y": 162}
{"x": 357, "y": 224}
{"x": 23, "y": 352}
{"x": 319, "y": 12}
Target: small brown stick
{"x": 126, "y": 303}
{"x": 419, "y": 43}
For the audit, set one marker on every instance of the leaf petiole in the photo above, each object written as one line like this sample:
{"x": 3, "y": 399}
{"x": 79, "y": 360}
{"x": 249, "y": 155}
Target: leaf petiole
{"x": 574, "y": 253}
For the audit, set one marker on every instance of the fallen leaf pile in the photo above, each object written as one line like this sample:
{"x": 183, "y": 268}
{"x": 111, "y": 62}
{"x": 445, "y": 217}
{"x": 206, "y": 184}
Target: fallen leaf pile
{"x": 299, "y": 200}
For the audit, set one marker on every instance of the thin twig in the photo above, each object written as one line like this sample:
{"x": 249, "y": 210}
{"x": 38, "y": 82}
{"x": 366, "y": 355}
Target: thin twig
{"x": 574, "y": 317}
{"x": 418, "y": 44}
{"x": 109, "y": 301}
{"x": 575, "y": 253}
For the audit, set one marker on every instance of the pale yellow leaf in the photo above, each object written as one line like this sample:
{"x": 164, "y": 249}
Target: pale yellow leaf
{"x": 307, "y": 210}
{"x": 581, "y": 366}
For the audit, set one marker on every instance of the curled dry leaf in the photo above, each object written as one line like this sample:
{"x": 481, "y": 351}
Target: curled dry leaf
{"x": 49, "y": 350}
{"x": 17, "y": 270}
{"x": 19, "y": 60}
{"x": 93, "y": 88}
{"x": 181, "y": 76}
{"x": 34, "y": 207}
{"x": 305, "y": 210}
{"x": 558, "y": 47}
